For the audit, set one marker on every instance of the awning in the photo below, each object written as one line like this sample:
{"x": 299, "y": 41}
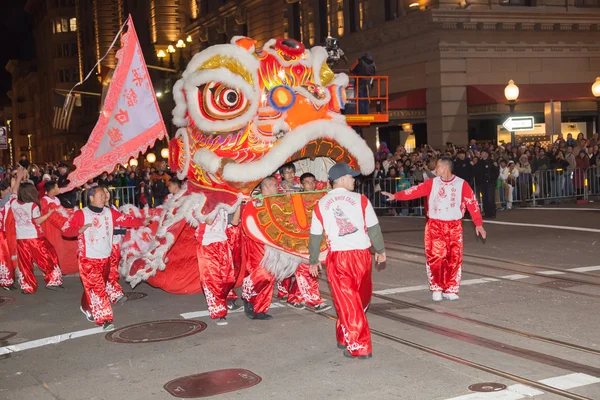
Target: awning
{"x": 491, "y": 94}
{"x": 410, "y": 100}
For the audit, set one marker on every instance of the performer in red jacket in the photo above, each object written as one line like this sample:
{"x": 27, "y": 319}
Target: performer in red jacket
{"x": 32, "y": 245}
{"x": 447, "y": 198}
{"x": 215, "y": 263}
{"x": 94, "y": 226}
{"x": 257, "y": 288}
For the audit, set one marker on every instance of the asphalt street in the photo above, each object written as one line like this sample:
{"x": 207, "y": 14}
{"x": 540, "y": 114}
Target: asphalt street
{"x": 526, "y": 322}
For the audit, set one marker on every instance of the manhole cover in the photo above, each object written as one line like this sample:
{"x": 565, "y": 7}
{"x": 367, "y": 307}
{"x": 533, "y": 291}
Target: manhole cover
{"x": 212, "y": 383}
{"x": 156, "y": 331}
{"x": 6, "y": 300}
{"x": 487, "y": 387}
{"x": 560, "y": 284}
{"x": 135, "y": 295}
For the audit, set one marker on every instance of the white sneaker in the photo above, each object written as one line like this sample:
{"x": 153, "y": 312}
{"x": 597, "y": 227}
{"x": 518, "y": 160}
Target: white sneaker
{"x": 222, "y": 321}
{"x": 450, "y": 296}
{"x": 436, "y": 296}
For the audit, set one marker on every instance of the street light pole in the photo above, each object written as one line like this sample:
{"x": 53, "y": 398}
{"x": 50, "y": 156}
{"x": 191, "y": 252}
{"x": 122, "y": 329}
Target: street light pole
{"x": 511, "y": 92}
{"x": 596, "y": 93}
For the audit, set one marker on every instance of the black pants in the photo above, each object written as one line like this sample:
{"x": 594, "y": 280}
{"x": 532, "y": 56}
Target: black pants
{"x": 488, "y": 195}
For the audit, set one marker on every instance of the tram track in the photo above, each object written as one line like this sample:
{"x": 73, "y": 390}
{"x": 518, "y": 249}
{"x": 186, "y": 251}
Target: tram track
{"x": 499, "y": 260}
{"x": 519, "y": 282}
{"x": 517, "y": 332}
{"x": 472, "y": 364}
{"x": 517, "y": 271}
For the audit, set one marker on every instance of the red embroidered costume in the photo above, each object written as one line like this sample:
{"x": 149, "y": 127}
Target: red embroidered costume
{"x": 447, "y": 201}
{"x": 215, "y": 263}
{"x": 7, "y": 264}
{"x": 52, "y": 229}
{"x": 95, "y": 248}
{"x": 33, "y": 247}
{"x": 345, "y": 217}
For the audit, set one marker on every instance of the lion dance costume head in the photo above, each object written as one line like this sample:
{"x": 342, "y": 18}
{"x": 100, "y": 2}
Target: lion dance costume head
{"x": 241, "y": 114}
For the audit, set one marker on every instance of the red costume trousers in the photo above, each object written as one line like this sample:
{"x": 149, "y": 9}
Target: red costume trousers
{"x": 349, "y": 275}
{"x": 42, "y": 253}
{"x": 284, "y": 288}
{"x": 234, "y": 237}
{"x": 7, "y": 266}
{"x": 217, "y": 276}
{"x": 444, "y": 254}
{"x": 305, "y": 288}
{"x": 94, "y": 273}
{"x": 257, "y": 288}
{"x": 113, "y": 288}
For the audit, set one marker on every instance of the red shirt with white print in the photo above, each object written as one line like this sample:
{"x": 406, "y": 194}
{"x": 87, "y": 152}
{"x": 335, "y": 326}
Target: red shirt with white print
{"x": 447, "y": 200}
{"x": 24, "y": 214}
{"x": 96, "y": 241}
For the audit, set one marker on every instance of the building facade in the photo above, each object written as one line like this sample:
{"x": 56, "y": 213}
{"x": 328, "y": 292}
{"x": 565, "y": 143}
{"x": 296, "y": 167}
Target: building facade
{"x": 448, "y": 62}
{"x": 25, "y": 96}
{"x": 72, "y": 40}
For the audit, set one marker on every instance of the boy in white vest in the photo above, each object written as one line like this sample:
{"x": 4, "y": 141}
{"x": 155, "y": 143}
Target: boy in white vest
{"x": 94, "y": 226}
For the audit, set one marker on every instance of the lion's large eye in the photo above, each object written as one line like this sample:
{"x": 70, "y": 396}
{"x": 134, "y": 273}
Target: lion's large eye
{"x": 221, "y": 102}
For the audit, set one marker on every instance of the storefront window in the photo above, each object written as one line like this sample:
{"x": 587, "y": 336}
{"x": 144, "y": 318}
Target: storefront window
{"x": 521, "y": 3}
{"x": 73, "y": 24}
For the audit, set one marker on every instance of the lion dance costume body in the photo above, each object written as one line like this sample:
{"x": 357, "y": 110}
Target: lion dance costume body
{"x": 242, "y": 113}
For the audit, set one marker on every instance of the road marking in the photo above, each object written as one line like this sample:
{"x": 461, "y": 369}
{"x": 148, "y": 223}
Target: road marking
{"x": 585, "y": 269}
{"x": 563, "y": 209}
{"x": 204, "y": 313}
{"x": 92, "y": 331}
{"x": 49, "y": 340}
{"x": 549, "y": 272}
{"x": 570, "y": 381}
{"x": 519, "y": 391}
{"x": 566, "y": 228}
{"x": 465, "y": 282}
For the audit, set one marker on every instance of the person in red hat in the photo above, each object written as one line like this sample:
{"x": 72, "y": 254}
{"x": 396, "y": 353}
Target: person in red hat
{"x": 347, "y": 221}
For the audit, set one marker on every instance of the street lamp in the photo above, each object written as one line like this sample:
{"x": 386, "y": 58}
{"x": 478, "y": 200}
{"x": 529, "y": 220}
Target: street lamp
{"x": 511, "y": 92}
{"x": 161, "y": 55}
{"x": 596, "y": 93}
{"x": 133, "y": 162}
{"x": 189, "y": 39}
{"x": 151, "y": 158}
{"x": 164, "y": 153}
{"x": 171, "y": 50}
{"x": 181, "y": 45}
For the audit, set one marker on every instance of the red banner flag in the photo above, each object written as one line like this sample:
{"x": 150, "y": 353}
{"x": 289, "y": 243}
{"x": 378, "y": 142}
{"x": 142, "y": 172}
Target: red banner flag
{"x": 130, "y": 120}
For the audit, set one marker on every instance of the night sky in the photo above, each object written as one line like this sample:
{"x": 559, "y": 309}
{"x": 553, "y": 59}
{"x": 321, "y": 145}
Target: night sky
{"x": 16, "y": 39}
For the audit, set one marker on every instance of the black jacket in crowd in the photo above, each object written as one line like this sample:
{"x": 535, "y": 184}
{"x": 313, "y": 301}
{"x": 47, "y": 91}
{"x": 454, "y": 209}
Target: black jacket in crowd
{"x": 486, "y": 172}
{"x": 463, "y": 169}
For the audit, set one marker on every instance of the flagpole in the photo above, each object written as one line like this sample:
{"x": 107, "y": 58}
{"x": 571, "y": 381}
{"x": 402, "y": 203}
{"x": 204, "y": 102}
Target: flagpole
{"x": 78, "y": 92}
{"x": 103, "y": 57}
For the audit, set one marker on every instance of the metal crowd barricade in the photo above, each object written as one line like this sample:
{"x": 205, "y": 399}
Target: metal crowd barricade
{"x": 558, "y": 184}
{"x": 372, "y": 189}
{"x": 119, "y": 196}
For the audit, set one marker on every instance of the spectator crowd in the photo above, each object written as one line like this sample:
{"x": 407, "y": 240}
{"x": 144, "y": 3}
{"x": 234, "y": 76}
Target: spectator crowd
{"x": 145, "y": 186}
{"x": 499, "y": 174}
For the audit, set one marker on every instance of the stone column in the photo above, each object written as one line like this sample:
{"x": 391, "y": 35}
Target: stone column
{"x": 447, "y": 117}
